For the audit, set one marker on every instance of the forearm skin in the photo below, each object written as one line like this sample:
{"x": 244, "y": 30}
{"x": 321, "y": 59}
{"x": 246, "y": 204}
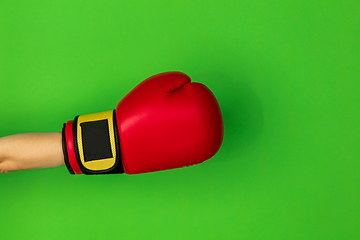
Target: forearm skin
{"x": 30, "y": 151}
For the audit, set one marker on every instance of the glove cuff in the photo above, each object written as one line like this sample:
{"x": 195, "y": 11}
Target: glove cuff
{"x": 91, "y": 144}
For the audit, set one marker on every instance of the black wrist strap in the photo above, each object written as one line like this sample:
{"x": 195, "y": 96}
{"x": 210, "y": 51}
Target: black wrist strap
{"x": 96, "y": 143}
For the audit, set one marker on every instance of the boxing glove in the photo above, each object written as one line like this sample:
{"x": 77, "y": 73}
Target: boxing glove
{"x": 165, "y": 122}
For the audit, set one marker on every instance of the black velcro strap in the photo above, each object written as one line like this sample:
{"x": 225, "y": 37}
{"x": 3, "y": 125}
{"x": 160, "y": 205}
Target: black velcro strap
{"x": 96, "y": 143}
{"x": 96, "y": 140}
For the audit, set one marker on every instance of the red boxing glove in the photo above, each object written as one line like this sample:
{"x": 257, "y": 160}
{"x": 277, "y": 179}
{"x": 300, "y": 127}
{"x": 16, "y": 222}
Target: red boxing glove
{"x": 165, "y": 122}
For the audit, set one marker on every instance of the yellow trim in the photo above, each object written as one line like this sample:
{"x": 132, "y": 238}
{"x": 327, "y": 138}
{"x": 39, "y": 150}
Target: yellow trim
{"x": 100, "y": 164}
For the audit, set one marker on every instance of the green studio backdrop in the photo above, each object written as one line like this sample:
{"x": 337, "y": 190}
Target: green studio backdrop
{"x": 286, "y": 75}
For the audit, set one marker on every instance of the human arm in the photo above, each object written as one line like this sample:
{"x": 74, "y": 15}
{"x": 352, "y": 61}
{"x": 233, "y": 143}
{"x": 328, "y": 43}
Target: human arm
{"x": 30, "y": 151}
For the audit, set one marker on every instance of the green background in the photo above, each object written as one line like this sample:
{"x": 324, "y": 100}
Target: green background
{"x": 286, "y": 75}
